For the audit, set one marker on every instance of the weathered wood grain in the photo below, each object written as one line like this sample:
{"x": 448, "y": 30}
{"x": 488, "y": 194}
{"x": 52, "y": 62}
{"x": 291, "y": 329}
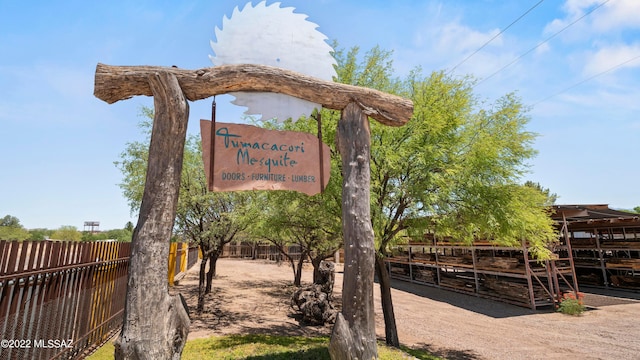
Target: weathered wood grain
{"x": 156, "y": 324}
{"x": 114, "y": 83}
{"x": 354, "y": 333}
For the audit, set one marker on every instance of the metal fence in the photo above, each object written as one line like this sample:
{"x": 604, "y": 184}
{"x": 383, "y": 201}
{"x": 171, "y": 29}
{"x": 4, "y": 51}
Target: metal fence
{"x": 60, "y": 300}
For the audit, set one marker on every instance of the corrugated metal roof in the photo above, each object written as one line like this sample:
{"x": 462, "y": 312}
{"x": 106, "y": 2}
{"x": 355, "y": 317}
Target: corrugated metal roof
{"x": 595, "y": 215}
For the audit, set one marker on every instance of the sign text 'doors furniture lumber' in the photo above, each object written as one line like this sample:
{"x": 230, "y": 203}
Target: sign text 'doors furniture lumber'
{"x": 251, "y": 158}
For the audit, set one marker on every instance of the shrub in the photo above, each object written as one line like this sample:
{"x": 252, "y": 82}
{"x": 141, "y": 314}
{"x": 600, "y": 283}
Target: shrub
{"x": 572, "y": 304}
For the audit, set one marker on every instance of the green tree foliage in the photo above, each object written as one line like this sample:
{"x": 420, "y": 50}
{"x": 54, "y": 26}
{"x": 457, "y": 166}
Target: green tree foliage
{"x": 454, "y": 168}
{"x": 312, "y": 223}
{"x": 40, "y": 234}
{"x": 122, "y": 235}
{"x": 11, "y": 229}
{"x": 133, "y": 163}
{"x": 457, "y": 162}
{"x": 637, "y": 209}
{"x": 129, "y": 226}
{"x": 10, "y": 221}
{"x": 551, "y": 197}
{"x": 67, "y": 233}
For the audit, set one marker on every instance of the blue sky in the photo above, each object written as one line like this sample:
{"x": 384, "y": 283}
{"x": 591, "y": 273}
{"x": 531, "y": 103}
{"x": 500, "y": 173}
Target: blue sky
{"x": 59, "y": 142}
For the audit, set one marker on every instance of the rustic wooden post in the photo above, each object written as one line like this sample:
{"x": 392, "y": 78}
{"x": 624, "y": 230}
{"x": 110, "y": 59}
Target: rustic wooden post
{"x": 354, "y": 333}
{"x": 156, "y": 324}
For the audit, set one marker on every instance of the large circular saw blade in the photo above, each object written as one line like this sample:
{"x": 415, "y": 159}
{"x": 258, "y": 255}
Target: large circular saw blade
{"x": 272, "y": 35}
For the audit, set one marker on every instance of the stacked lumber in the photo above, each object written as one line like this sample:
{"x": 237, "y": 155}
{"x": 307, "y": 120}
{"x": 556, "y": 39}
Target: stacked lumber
{"x": 586, "y": 262}
{"x": 399, "y": 270}
{"x": 626, "y": 281}
{"x": 424, "y": 257}
{"x": 590, "y": 279}
{"x": 583, "y": 243}
{"x": 492, "y": 263}
{"x": 455, "y": 260}
{"x": 424, "y": 275}
{"x": 457, "y": 283}
{"x": 622, "y": 263}
{"x": 621, "y": 244}
{"x": 512, "y": 290}
{"x": 399, "y": 259}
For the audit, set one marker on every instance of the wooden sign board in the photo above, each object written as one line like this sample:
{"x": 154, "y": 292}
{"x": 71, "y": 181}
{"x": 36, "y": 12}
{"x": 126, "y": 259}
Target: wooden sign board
{"x": 247, "y": 157}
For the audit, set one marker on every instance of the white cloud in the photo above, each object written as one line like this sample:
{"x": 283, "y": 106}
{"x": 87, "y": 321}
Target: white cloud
{"x": 457, "y": 38}
{"x": 613, "y": 16}
{"x": 616, "y": 15}
{"x": 608, "y": 58}
{"x": 444, "y": 44}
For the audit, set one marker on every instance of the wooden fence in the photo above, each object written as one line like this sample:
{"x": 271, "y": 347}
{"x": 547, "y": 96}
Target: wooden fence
{"x": 182, "y": 256}
{"x": 60, "y": 300}
{"x": 259, "y": 251}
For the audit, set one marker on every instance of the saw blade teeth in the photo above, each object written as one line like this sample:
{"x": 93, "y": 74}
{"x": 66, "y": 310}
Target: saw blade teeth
{"x": 276, "y": 36}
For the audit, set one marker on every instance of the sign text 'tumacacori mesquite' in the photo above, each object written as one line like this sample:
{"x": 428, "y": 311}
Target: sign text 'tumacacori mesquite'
{"x": 247, "y": 157}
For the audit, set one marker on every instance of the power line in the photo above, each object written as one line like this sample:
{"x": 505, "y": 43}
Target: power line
{"x": 587, "y": 79}
{"x": 541, "y": 43}
{"x": 498, "y": 34}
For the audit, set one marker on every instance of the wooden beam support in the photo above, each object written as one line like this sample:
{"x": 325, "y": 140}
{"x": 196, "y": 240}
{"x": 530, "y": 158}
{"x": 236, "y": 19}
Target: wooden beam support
{"x": 114, "y": 83}
{"x": 354, "y": 333}
{"x": 155, "y": 324}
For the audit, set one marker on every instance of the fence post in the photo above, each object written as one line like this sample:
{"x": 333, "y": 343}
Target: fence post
{"x": 171, "y": 272}
{"x": 183, "y": 256}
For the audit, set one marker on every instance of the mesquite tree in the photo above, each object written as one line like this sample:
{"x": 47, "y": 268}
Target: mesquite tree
{"x": 453, "y": 168}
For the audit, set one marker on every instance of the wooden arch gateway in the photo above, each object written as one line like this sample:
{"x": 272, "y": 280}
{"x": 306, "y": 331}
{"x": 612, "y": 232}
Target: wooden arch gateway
{"x": 155, "y": 324}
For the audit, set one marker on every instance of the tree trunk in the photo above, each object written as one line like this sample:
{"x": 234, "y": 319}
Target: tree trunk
{"x": 354, "y": 335}
{"x": 390, "y": 329}
{"x": 201, "y": 283}
{"x": 316, "y": 268}
{"x": 298, "y": 271}
{"x": 145, "y": 335}
{"x": 213, "y": 261}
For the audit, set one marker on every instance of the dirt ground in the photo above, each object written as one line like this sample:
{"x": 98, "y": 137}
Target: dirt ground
{"x": 252, "y": 296}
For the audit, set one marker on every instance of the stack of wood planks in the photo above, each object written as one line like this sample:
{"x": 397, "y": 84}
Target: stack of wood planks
{"x": 513, "y": 290}
{"x": 620, "y": 244}
{"x": 424, "y": 275}
{"x": 457, "y": 283}
{"x": 493, "y": 263}
{"x": 625, "y": 281}
{"x": 590, "y": 279}
{"x": 424, "y": 257}
{"x": 400, "y": 269}
{"x": 456, "y": 260}
{"x": 622, "y": 263}
{"x": 584, "y": 243}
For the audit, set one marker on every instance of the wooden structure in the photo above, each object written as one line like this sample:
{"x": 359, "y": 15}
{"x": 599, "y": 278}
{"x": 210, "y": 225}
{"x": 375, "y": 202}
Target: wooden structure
{"x": 605, "y": 245}
{"x": 65, "y": 290}
{"x": 146, "y": 335}
{"x": 507, "y": 274}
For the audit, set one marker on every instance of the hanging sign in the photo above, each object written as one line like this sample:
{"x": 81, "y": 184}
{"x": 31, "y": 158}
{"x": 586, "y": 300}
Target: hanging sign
{"x": 247, "y": 157}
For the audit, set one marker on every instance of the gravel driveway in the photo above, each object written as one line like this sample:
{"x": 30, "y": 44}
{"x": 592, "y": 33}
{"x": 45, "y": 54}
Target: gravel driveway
{"x": 252, "y": 296}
